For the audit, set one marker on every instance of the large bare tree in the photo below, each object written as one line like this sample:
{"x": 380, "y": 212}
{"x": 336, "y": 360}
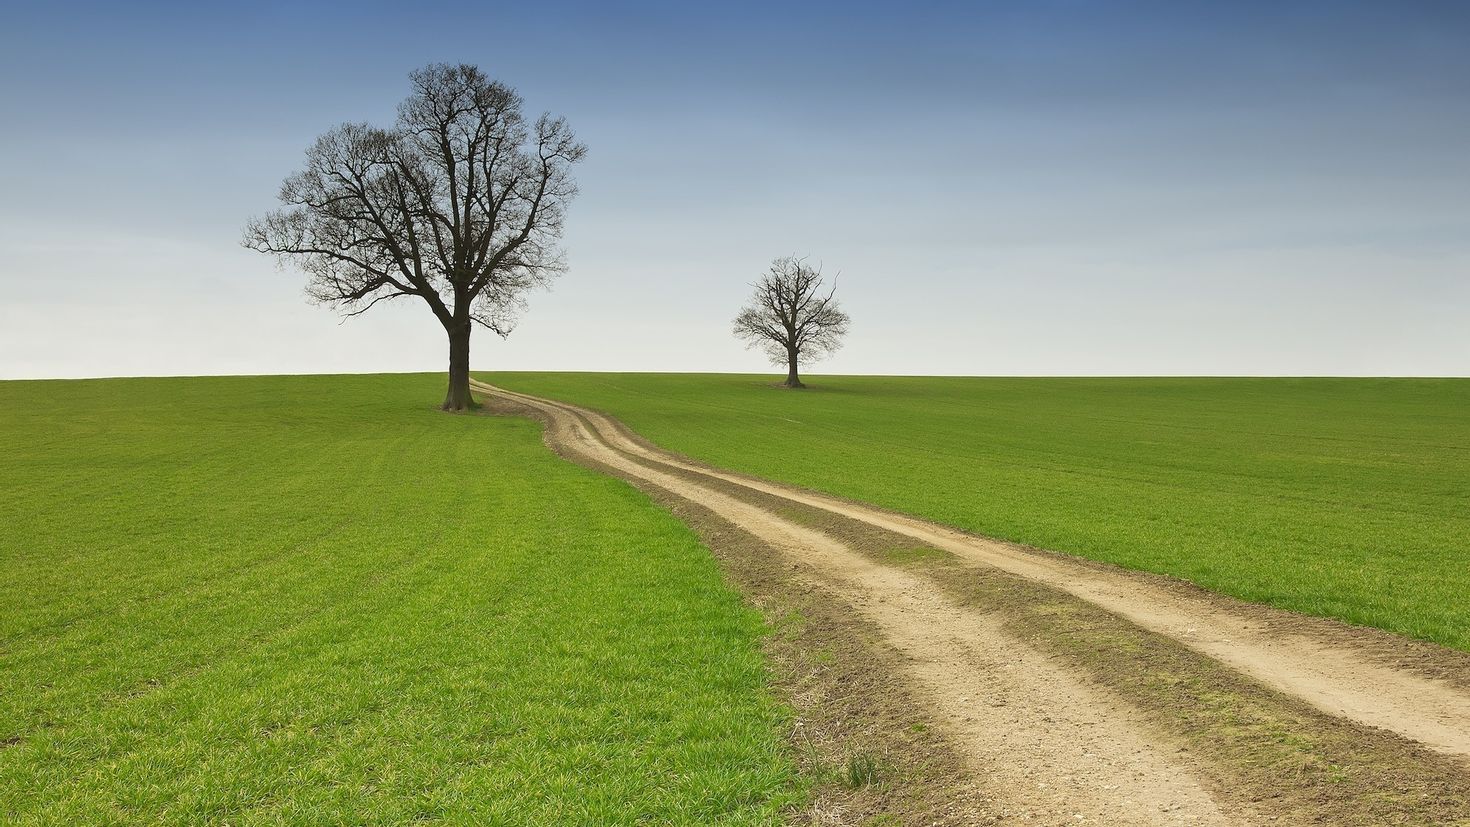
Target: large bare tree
{"x": 791, "y": 318}
{"x": 460, "y": 204}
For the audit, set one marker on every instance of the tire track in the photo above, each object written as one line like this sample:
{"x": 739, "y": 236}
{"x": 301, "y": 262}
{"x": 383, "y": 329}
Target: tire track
{"x": 1333, "y": 675}
{"x": 1050, "y": 746}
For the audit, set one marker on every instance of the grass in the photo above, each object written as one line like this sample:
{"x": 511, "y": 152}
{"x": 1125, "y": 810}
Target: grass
{"x": 316, "y": 600}
{"x": 860, "y": 770}
{"x": 1343, "y": 498}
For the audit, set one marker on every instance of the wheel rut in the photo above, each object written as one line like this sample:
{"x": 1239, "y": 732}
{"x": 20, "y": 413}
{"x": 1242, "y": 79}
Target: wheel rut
{"x": 1054, "y": 749}
{"x": 1048, "y": 743}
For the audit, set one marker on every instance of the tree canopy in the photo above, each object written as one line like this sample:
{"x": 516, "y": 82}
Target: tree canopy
{"x": 791, "y": 318}
{"x": 459, "y": 204}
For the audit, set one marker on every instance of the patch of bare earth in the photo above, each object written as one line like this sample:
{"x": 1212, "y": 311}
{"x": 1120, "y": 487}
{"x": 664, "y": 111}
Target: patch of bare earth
{"x": 943, "y": 678}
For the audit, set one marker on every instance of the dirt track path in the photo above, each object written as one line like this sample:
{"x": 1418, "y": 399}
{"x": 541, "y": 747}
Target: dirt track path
{"x": 1053, "y": 746}
{"x": 1057, "y": 750}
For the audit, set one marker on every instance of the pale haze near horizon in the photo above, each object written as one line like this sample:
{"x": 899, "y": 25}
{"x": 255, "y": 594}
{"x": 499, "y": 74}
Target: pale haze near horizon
{"x": 1050, "y": 189}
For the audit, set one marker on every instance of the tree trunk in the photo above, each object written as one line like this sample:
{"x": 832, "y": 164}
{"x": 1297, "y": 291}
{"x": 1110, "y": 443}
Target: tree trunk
{"x": 792, "y": 380}
{"x": 458, "y": 398}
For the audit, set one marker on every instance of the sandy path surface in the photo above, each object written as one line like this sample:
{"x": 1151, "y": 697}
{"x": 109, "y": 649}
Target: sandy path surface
{"x": 1330, "y": 673}
{"x": 1052, "y": 748}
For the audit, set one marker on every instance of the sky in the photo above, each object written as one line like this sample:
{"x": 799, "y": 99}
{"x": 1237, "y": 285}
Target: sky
{"x": 1047, "y": 188}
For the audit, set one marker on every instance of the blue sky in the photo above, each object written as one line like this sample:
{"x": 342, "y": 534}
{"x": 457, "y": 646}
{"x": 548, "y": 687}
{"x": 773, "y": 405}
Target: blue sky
{"x": 1008, "y": 188}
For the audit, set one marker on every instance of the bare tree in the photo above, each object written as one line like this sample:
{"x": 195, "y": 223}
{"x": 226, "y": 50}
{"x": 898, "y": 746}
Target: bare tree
{"x": 790, "y": 318}
{"x": 459, "y": 204}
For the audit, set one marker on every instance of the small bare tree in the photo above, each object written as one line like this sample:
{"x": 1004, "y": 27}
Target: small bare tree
{"x": 790, "y": 318}
{"x": 460, "y": 204}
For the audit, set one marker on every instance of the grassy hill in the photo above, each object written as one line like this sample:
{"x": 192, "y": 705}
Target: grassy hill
{"x": 308, "y": 600}
{"x": 1347, "y": 498}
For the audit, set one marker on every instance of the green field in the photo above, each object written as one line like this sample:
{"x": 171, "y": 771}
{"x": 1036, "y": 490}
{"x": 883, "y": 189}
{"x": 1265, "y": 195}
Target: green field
{"x": 318, "y": 600}
{"x": 1347, "y": 498}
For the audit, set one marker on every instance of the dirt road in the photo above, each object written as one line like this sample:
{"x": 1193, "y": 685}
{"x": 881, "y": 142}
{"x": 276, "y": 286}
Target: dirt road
{"x": 1045, "y": 739}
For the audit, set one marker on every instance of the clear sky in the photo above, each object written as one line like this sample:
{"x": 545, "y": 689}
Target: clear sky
{"x": 1006, "y": 188}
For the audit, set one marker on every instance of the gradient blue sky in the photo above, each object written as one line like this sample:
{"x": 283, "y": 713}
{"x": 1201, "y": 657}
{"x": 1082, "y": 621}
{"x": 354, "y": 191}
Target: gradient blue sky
{"x": 1006, "y": 188}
